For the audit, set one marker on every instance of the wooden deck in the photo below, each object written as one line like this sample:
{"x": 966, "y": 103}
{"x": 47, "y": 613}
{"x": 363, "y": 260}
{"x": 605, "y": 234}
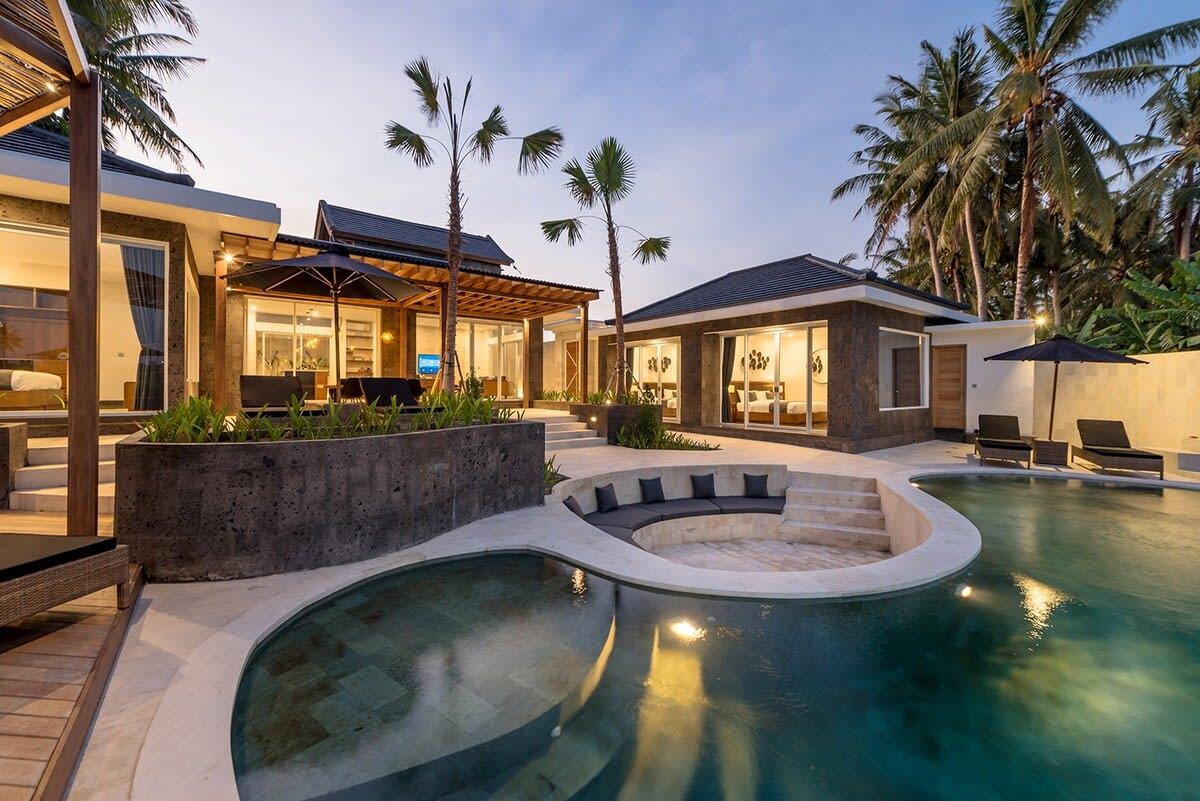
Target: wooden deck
{"x": 53, "y": 668}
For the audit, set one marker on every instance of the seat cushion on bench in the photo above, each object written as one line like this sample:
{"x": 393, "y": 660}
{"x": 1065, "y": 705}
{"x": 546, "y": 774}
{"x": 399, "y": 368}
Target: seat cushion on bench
{"x": 686, "y": 507}
{"x": 633, "y": 516}
{"x": 1004, "y": 444}
{"x": 23, "y": 554}
{"x": 736, "y": 504}
{"x": 623, "y": 534}
{"x": 1123, "y": 453}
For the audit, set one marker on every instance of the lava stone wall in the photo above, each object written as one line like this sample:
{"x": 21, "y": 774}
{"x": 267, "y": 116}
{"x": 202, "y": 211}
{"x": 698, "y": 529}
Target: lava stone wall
{"x": 234, "y": 510}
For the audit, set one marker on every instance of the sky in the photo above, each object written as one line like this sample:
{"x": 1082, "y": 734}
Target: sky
{"x": 738, "y": 115}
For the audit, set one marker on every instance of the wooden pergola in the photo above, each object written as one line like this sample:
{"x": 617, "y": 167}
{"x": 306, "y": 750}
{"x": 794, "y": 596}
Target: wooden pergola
{"x": 43, "y": 68}
{"x": 481, "y": 294}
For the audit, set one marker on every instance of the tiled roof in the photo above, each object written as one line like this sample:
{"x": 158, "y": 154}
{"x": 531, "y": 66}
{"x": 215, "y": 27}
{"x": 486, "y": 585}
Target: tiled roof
{"x": 34, "y": 141}
{"x": 778, "y": 279}
{"x": 360, "y": 226}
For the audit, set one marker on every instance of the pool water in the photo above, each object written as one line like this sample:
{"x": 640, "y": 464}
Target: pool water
{"x": 1064, "y": 663}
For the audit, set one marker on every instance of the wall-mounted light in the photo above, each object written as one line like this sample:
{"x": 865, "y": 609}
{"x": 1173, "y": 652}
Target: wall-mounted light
{"x": 387, "y": 337}
{"x": 227, "y": 258}
{"x": 593, "y": 418}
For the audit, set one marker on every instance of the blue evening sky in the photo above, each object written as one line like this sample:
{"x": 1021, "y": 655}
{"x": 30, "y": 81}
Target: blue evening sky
{"x": 738, "y": 114}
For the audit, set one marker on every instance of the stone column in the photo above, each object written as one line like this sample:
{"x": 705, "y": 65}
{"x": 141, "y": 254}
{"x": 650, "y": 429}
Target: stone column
{"x": 531, "y": 379}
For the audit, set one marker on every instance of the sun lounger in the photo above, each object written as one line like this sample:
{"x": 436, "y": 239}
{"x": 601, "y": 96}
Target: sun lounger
{"x": 999, "y": 438}
{"x": 1106, "y": 445}
{"x": 41, "y": 571}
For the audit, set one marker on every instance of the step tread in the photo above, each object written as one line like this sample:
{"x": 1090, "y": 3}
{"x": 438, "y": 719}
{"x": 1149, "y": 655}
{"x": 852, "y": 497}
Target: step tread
{"x": 44, "y": 468}
{"x": 567, "y": 444}
{"x": 827, "y": 491}
{"x": 106, "y": 488}
{"x": 813, "y": 507}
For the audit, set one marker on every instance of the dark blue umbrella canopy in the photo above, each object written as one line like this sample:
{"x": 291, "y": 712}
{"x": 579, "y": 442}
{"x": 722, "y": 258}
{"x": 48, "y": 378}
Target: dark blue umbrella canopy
{"x": 330, "y": 273}
{"x": 1059, "y": 348}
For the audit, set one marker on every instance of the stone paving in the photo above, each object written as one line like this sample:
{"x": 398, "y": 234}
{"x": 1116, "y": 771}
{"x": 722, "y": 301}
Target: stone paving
{"x": 771, "y": 555}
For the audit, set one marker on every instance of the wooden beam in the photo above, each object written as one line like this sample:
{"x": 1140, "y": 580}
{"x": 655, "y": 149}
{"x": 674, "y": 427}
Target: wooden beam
{"x": 64, "y": 23}
{"x": 24, "y": 46}
{"x": 32, "y": 110}
{"x": 83, "y": 324}
{"x": 220, "y": 357}
{"x": 583, "y": 352}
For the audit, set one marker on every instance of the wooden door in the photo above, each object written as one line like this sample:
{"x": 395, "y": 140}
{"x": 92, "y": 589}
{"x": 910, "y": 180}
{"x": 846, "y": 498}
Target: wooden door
{"x": 571, "y": 366}
{"x": 906, "y": 377}
{"x": 950, "y": 387}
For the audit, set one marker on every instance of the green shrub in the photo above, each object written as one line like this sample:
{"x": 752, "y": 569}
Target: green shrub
{"x": 551, "y": 475}
{"x": 646, "y": 432}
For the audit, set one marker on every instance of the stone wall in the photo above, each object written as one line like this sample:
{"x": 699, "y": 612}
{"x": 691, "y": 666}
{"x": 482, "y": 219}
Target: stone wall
{"x": 236, "y": 510}
{"x": 855, "y": 420}
{"x": 606, "y": 419}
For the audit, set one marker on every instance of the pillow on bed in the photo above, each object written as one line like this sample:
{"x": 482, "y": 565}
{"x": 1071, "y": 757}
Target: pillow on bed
{"x": 606, "y": 499}
{"x": 27, "y": 380}
{"x": 752, "y": 395}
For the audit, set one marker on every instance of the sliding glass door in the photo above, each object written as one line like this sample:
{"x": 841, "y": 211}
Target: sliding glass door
{"x": 655, "y": 367}
{"x": 776, "y": 378}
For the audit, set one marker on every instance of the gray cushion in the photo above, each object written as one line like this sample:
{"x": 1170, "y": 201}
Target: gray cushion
{"x": 686, "y": 507}
{"x": 756, "y": 486}
{"x": 634, "y": 515}
{"x": 702, "y": 486}
{"x": 652, "y": 491}
{"x": 606, "y": 498}
{"x": 623, "y": 534}
{"x": 739, "y": 505}
{"x": 1123, "y": 453}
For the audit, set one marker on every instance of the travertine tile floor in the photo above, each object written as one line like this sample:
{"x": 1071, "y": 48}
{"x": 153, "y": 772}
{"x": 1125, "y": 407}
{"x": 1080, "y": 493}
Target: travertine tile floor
{"x": 766, "y": 555}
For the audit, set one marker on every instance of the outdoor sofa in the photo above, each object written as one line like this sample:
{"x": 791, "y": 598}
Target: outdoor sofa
{"x": 41, "y": 571}
{"x": 621, "y": 521}
{"x": 1106, "y": 445}
{"x": 999, "y": 438}
{"x": 271, "y": 392}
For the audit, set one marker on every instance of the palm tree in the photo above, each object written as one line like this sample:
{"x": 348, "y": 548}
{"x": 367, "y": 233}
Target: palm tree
{"x": 132, "y": 68}
{"x": 1174, "y": 136}
{"x": 607, "y": 180}
{"x": 437, "y": 102}
{"x": 1035, "y": 47}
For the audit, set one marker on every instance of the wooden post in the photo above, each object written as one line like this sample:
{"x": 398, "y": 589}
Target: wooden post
{"x": 533, "y": 332}
{"x": 83, "y": 326}
{"x": 583, "y": 352}
{"x": 220, "y": 287}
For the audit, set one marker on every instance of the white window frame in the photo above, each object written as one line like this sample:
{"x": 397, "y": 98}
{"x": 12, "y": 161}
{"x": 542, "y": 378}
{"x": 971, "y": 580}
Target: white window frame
{"x": 923, "y": 359}
{"x": 808, "y": 327}
{"x": 658, "y": 345}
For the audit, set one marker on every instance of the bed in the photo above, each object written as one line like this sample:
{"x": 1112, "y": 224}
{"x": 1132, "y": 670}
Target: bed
{"x": 763, "y": 400}
{"x": 27, "y": 384}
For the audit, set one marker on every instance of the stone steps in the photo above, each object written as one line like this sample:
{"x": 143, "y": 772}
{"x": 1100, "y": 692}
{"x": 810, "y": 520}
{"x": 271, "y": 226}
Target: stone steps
{"x": 831, "y": 497}
{"x": 827, "y": 481}
{"x": 835, "y": 515}
{"x": 53, "y": 450}
{"x": 54, "y": 499}
{"x": 566, "y": 432}
{"x": 47, "y": 476}
{"x": 571, "y": 444}
{"x": 560, "y": 436}
{"x": 862, "y": 539}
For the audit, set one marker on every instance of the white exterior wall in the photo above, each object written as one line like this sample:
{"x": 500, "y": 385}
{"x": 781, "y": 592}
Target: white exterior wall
{"x": 1159, "y": 402}
{"x": 994, "y": 387}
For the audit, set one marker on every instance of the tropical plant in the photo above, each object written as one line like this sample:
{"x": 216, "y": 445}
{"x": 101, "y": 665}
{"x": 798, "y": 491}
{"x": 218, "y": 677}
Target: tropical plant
{"x": 607, "y": 180}
{"x": 132, "y": 65}
{"x": 551, "y": 475}
{"x": 646, "y": 432}
{"x": 1036, "y": 46}
{"x": 440, "y": 108}
{"x": 1172, "y": 181}
{"x": 1166, "y": 318}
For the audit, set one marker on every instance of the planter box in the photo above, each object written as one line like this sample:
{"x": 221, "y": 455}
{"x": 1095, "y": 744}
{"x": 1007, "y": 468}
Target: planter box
{"x": 561, "y": 406}
{"x": 235, "y": 510}
{"x": 609, "y": 417}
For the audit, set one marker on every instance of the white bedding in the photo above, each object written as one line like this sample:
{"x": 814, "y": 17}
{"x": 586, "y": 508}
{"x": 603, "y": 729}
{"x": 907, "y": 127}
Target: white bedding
{"x": 785, "y": 407}
{"x": 23, "y": 380}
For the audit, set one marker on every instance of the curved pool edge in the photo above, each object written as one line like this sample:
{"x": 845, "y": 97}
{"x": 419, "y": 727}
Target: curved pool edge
{"x": 187, "y": 751}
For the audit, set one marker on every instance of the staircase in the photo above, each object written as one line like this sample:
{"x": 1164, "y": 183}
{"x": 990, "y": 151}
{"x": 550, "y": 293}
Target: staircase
{"x": 564, "y": 431}
{"x": 41, "y": 486}
{"x": 841, "y": 511}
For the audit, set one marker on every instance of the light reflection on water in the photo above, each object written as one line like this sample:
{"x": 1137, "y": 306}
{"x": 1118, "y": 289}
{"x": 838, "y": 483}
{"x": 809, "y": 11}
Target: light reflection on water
{"x": 1070, "y": 670}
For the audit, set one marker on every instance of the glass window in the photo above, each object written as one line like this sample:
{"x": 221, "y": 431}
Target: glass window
{"x": 34, "y": 321}
{"x": 902, "y": 373}
{"x": 776, "y": 378}
{"x": 494, "y": 351}
{"x": 655, "y": 367}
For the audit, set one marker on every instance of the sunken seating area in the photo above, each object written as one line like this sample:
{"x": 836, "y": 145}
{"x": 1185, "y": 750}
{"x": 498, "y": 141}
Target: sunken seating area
{"x": 41, "y": 571}
{"x": 622, "y": 503}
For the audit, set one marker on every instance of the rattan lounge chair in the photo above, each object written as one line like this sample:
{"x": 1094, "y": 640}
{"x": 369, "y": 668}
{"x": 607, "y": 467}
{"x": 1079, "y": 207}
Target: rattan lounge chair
{"x": 999, "y": 438}
{"x": 41, "y": 571}
{"x": 1106, "y": 445}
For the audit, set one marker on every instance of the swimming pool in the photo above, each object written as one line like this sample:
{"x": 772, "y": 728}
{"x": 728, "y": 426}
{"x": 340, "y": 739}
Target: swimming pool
{"x": 1064, "y": 663}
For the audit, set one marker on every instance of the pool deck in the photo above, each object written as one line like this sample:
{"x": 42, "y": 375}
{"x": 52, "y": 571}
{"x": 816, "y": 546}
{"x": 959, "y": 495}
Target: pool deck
{"x": 163, "y": 729}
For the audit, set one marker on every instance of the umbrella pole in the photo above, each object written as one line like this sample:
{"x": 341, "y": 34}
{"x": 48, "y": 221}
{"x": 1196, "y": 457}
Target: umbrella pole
{"x": 1053, "y": 400}
{"x": 337, "y": 348}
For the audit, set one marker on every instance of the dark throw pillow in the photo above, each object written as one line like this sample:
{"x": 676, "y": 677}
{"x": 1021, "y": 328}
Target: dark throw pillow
{"x": 702, "y": 486}
{"x": 652, "y": 491}
{"x": 606, "y": 499}
{"x": 573, "y": 505}
{"x": 756, "y": 486}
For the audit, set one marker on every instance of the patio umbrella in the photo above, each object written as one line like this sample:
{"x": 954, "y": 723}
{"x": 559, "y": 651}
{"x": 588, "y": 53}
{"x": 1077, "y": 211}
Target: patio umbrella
{"x": 1059, "y": 349}
{"x": 330, "y": 273}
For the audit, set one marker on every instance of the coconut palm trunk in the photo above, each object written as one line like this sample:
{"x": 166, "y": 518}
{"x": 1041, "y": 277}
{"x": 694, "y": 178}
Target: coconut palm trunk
{"x": 1028, "y": 218}
{"x": 1189, "y": 219}
{"x": 614, "y": 272}
{"x": 976, "y": 262}
{"x": 934, "y": 264}
{"x": 453, "y": 264}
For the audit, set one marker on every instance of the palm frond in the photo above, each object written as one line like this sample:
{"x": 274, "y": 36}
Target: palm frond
{"x": 1146, "y": 48}
{"x": 490, "y": 130}
{"x": 652, "y": 248}
{"x": 612, "y": 169}
{"x": 579, "y": 185}
{"x": 572, "y": 227}
{"x": 425, "y": 85}
{"x": 539, "y": 150}
{"x": 405, "y": 140}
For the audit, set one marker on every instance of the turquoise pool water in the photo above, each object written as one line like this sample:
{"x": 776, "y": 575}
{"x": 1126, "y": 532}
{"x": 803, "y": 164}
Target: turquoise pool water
{"x": 1064, "y": 663}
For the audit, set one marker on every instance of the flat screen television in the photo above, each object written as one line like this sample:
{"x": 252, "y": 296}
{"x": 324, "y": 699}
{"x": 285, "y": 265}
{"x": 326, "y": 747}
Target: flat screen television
{"x": 428, "y": 363}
